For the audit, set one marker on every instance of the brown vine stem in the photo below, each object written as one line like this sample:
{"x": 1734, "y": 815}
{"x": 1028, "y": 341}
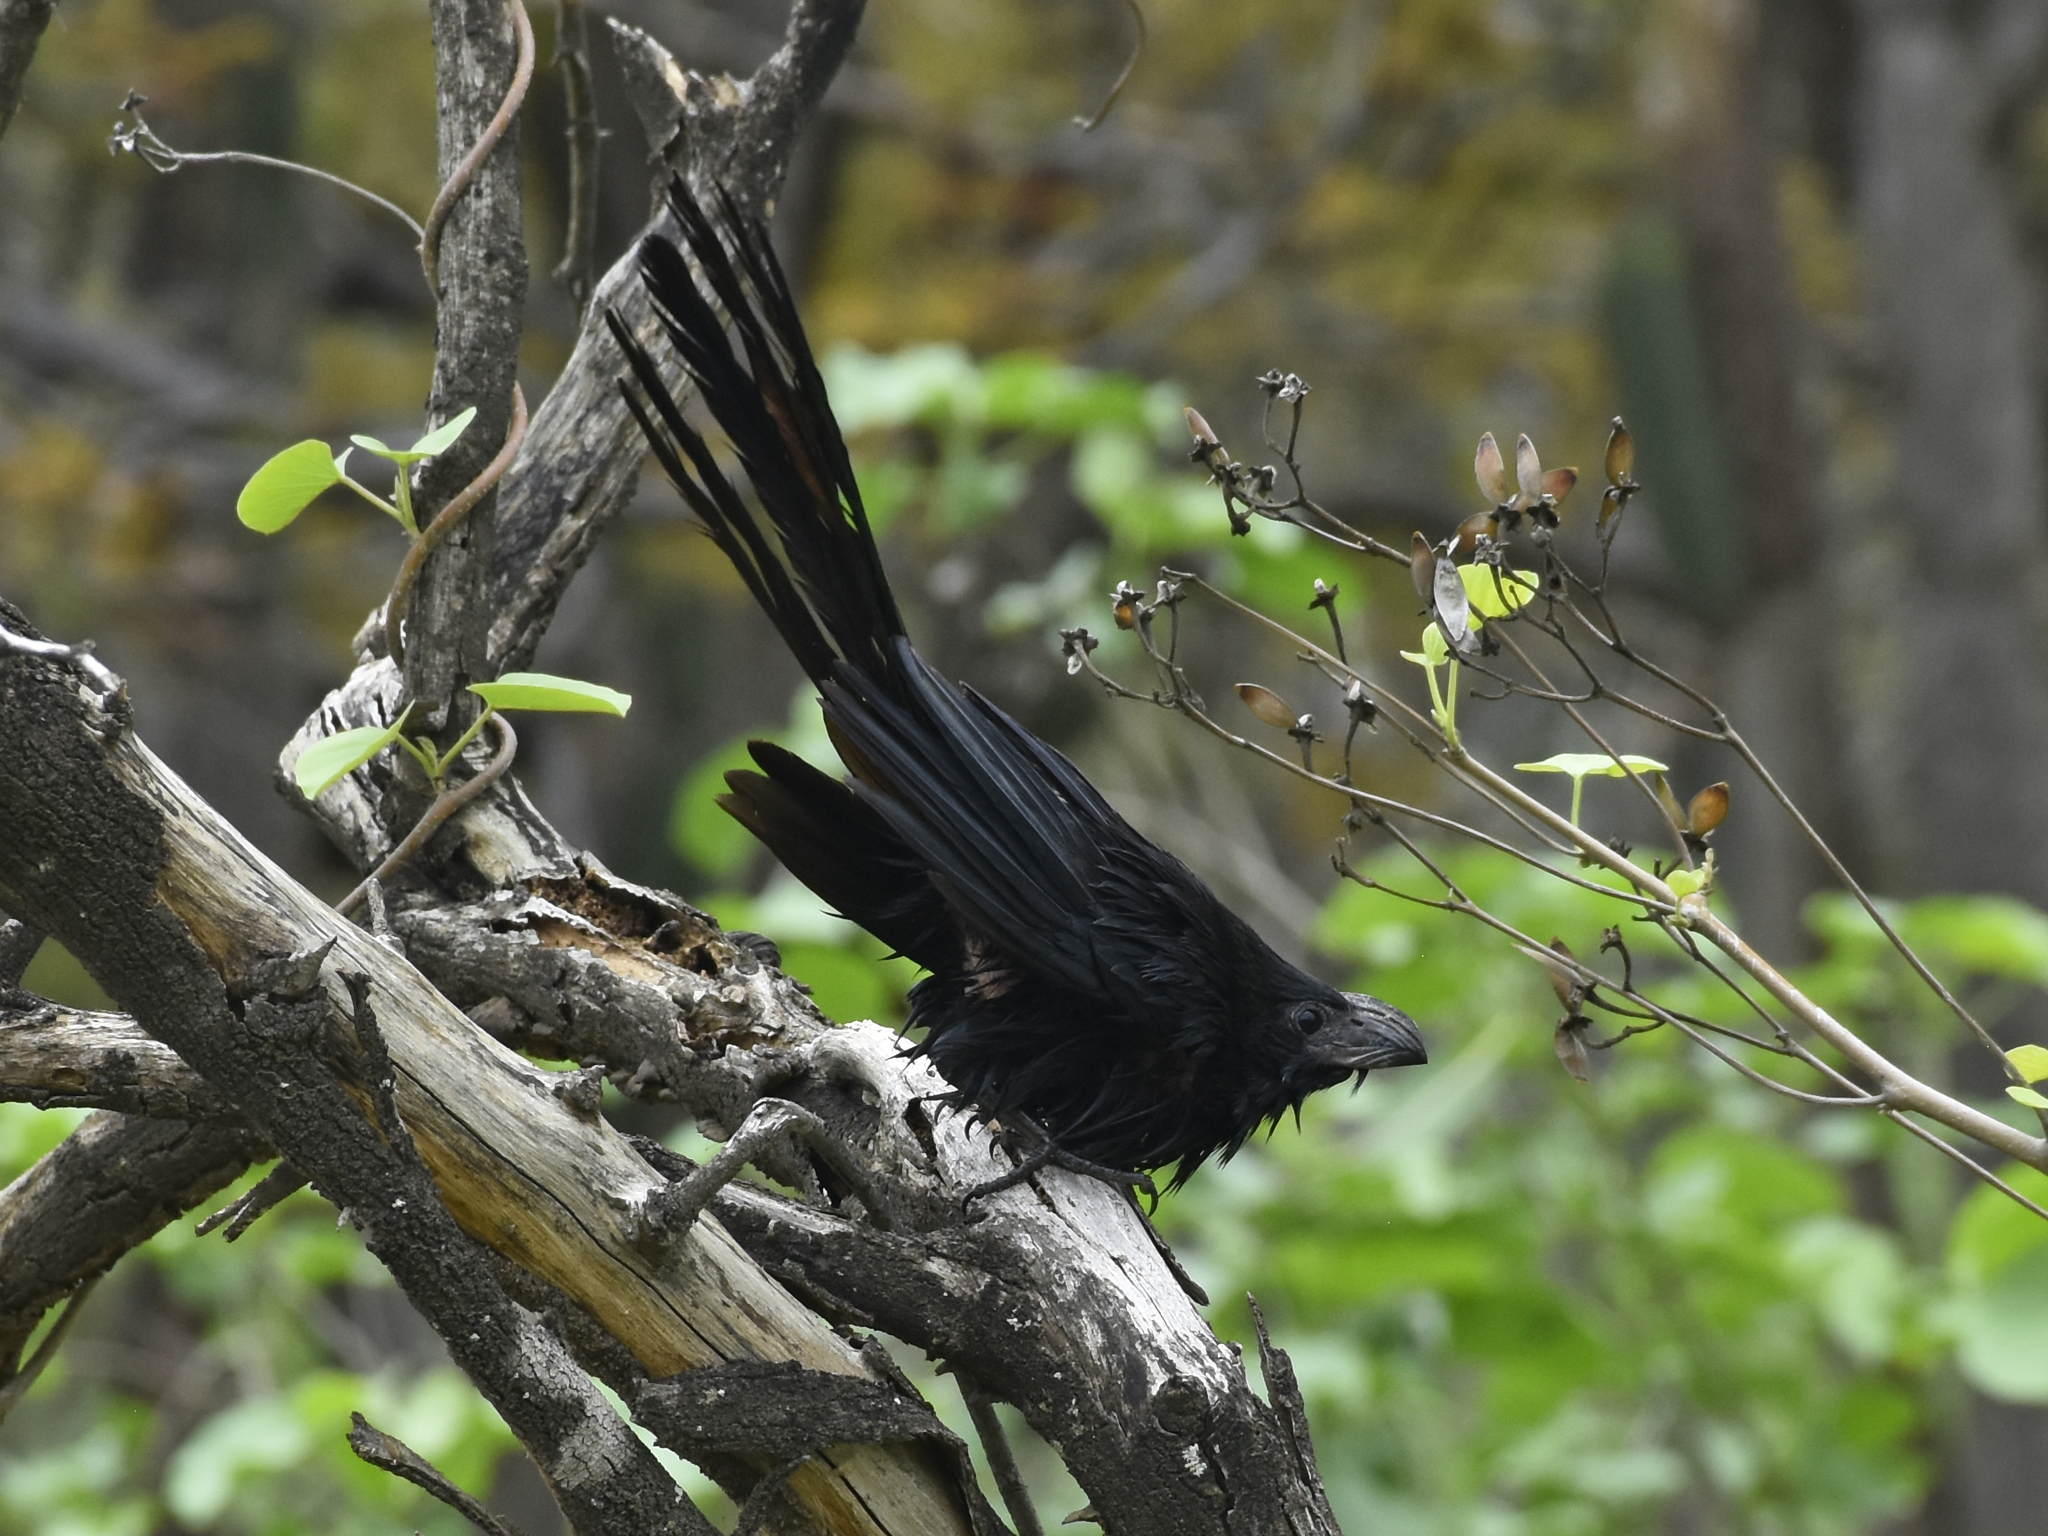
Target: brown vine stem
{"x": 443, "y": 523}
{"x": 445, "y": 806}
{"x": 458, "y": 180}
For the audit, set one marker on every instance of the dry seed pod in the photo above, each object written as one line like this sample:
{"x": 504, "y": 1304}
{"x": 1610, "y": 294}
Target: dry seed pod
{"x": 1528, "y": 471}
{"x": 1465, "y": 542}
{"x": 1562, "y": 980}
{"x": 1492, "y": 473}
{"x": 1709, "y": 808}
{"x": 1621, "y": 454}
{"x": 1422, "y": 566}
{"x": 1569, "y": 1043}
{"x": 1267, "y": 705}
{"x": 1200, "y": 428}
{"x": 1558, "y": 483}
{"x": 1610, "y": 507}
{"x": 1452, "y": 604}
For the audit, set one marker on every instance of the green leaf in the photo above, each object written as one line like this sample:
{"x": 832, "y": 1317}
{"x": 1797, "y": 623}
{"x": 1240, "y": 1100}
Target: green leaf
{"x": 434, "y": 442}
{"x": 1684, "y": 882}
{"x": 2026, "y": 1096}
{"x": 1580, "y": 764}
{"x": 1495, "y": 594}
{"x": 437, "y": 441}
{"x": 2030, "y": 1061}
{"x": 2002, "y": 1332}
{"x": 1435, "y": 649}
{"x": 329, "y": 758}
{"x": 286, "y": 485}
{"x": 561, "y": 695}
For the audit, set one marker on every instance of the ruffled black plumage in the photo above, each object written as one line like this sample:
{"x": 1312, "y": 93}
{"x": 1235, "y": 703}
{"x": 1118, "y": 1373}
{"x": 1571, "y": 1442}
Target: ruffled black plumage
{"x": 1078, "y": 973}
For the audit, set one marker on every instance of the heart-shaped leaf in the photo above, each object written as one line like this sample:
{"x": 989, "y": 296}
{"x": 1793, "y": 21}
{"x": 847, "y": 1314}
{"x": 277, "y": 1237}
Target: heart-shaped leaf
{"x": 2030, "y": 1061}
{"x": 286, "y": 485}
{"x": 434, "y": 442}
{"x": 328, "y": 759}
{"x": 1494, "y": 593}
{"x": 438, "y": 440}
{"x": 1581, "y": 764}
{"x": 558, "y": 695}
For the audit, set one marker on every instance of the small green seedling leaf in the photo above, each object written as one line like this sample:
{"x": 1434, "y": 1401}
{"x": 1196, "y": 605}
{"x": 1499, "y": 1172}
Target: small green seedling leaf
{"x": 1580, "y": 764}
{"x": 562, "y": 695}
{"x": 2030, "y": 1061}
{"x": 1683, "y": 882}
{"x": 434, "y": 442}
{"x": 438, "y": 440}
{"x": 1435, "y": 649}
{"x": 328, "y": 759}
{"x": 286, "y": 485}
{"x": 2027, "y": 1096}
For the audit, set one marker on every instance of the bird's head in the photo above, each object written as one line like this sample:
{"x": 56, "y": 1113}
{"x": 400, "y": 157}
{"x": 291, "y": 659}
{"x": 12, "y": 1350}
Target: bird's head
{"x": 1336, "y": 1034}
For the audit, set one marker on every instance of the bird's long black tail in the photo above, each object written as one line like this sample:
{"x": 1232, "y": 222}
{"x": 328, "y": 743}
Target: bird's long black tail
{"x": 814, "y": 569}
{"x": 820, "y": 579}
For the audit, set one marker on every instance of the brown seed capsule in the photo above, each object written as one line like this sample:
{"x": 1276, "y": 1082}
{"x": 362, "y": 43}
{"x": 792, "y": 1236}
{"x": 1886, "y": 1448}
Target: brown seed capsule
{"x": 1708, "y": 810}
{"x": 1621, "y": 454}
{"x": 1123, "y": 605}
{"x": 1558, "y": 483}
{"x": 1465, "y": 542}
{"x": 1610, "y": 507}
{"x": 1267, "y": 705}
{"x": 1570, "y": 1045}
{"x": 1422, "y": 566}
{"x": 1492, "y": 473}
{"x": 1200, "y": 428}
{"x": 1563, "y": 980}
{"x": 1528, "y": 472}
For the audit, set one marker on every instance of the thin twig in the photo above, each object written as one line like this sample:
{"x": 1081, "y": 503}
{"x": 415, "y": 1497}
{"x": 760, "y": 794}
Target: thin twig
{"x": 1002, "y": 1461}
{"x": 390, "y": 1454}
{"x": 18, "y": 1385}
{"x": 141, "y": 141}
{"x": 1976, "y": 1169}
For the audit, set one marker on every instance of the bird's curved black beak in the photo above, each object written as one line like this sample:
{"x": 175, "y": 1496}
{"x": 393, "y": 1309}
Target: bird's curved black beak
{"x": 1376, "y": 1034}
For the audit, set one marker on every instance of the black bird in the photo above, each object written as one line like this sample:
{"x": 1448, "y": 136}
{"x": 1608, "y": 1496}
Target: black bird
{"x": 1078, "y": 974}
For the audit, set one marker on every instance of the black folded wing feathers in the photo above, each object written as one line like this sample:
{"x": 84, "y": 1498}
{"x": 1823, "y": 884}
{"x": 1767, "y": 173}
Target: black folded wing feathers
{"x": 1078, "y": 973}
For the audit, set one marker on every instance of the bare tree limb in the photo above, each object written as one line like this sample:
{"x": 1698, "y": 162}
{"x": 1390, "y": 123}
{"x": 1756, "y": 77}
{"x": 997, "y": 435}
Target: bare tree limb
{"x": 179, "y": 917}
{"x": 110, "y": 1186}
{"x": 74, "y": 1058}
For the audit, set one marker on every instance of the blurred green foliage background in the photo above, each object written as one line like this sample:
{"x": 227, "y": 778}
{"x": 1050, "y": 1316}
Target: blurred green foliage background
{"x": 1520, "y": 1306}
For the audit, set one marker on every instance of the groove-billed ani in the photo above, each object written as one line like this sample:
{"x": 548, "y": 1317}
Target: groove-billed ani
{"x": 1078, "y": 974}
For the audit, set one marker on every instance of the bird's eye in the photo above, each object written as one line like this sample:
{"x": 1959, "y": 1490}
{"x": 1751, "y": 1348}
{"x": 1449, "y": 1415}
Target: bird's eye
{"x": 1308, "y": 1018}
